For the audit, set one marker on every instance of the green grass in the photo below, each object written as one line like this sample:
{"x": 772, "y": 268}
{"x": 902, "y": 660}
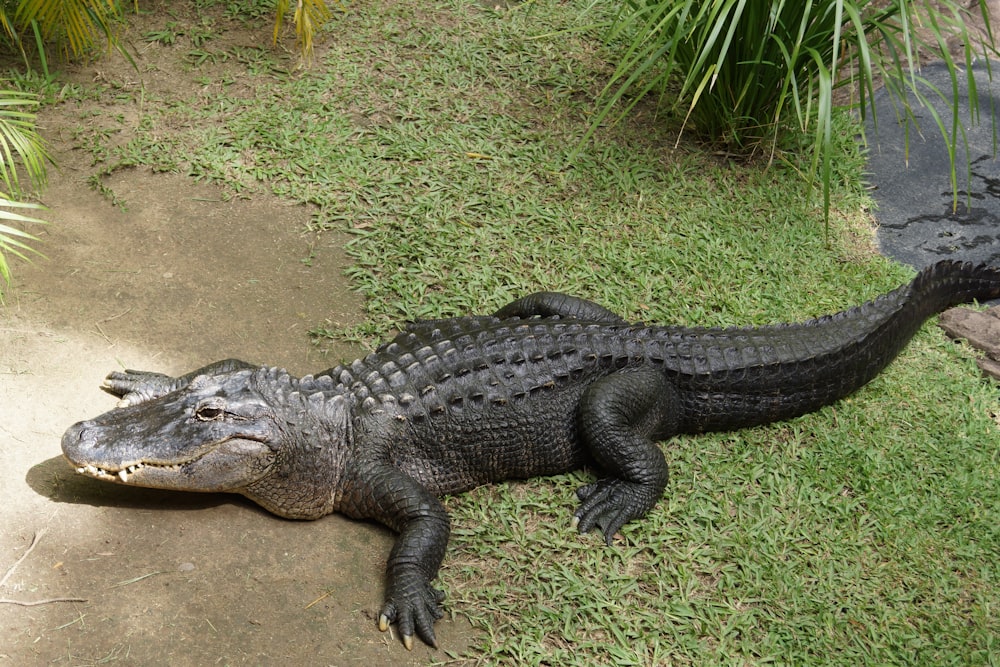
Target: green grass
{"x": 438, "y": 135}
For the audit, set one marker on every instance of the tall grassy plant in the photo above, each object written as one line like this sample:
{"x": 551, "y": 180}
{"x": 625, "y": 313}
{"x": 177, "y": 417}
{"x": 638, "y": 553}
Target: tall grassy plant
{"x": 749, "y": 74}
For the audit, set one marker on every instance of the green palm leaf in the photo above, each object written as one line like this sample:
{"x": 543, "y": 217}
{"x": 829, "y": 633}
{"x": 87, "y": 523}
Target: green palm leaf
{"x": 20, "y": 142}
{"x": 13, "y": 239}
{"x": 309, "y": 16}
{"x": 20, "y": 146}
{"x": 78, "y": 22}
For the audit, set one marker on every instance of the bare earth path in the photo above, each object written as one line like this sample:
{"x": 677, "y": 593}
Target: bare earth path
{"x": 179, "y": 279}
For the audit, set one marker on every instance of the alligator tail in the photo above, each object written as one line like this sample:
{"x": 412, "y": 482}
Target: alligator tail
{"x": 936, "y": 288}
{"x": 951, "y": 283}
{"x": 845, "y": 351}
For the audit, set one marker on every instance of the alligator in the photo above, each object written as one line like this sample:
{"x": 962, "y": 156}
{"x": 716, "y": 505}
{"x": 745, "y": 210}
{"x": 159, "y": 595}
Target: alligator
{"x": 547, "y": 384}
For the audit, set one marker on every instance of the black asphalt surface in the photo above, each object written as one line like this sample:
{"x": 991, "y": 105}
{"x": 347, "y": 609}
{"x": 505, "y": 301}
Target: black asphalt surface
{"x": 918, "y": 224}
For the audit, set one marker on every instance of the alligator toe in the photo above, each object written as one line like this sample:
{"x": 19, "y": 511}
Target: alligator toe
{"x": 413, "y": 605}
{"x": 611, "y": 503}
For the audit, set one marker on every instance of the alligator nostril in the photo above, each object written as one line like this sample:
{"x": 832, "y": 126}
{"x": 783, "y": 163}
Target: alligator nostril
{"x": 77, "y": 436}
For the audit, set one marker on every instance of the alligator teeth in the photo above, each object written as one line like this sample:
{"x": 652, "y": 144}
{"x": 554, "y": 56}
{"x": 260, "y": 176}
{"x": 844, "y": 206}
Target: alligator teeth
{"x": 125, "y": 472}
{"x": 101, "y": 473}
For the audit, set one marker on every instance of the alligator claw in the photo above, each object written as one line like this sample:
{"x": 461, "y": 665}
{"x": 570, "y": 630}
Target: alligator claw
{"x": 609, "y": 504}
{"x": 413, "y": 605}
{"x": 134, "y": 387}
{"x": 383, "y": 625}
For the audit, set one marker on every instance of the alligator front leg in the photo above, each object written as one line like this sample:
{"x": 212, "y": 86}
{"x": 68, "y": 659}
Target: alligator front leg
{"x": 397, "y": 500}
{"x": 620, "y": 417}
{"x": 134, "y": 387}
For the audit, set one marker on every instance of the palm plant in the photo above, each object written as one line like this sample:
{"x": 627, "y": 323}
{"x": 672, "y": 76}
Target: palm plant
{"x": 19, "y": 139}
{"x": 308, "y": 16}
{"x": 12, "y": 239}
{"x": 21, "y": 146}
{"x": 75, "y": 25}
{"x": 750, "y": 73}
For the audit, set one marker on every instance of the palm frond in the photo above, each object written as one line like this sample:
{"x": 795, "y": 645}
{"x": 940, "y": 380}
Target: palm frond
{"x": 7, "y": 24}
{"x": 13, "y": 240}
{"x": 77, "y": 23}
{"x": 308, "y": 17}
{"x": 20, "y": 142}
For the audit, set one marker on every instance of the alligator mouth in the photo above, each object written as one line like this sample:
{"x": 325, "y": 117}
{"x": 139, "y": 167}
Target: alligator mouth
{"x": 123, "y": 475}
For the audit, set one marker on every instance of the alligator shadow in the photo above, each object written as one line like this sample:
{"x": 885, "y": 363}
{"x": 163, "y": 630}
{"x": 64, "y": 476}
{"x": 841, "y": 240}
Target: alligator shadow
{"x": 56, "y": 480}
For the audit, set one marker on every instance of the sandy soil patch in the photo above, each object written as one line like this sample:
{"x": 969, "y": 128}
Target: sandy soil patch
{"x": 181, "y": 278}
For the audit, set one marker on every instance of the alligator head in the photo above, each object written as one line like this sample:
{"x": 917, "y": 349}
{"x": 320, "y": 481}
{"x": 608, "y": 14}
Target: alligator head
{"x": 249, "y": 431}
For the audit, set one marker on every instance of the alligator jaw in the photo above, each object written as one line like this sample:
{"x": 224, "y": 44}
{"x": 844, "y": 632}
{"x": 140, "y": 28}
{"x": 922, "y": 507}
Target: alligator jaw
{"x": 188, "y": 457}
{"x": 122, "y": 475}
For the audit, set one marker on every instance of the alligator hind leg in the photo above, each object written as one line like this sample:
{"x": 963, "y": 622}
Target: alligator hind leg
{"x": 556, "y": 304}
{"x": 620, "y": 418}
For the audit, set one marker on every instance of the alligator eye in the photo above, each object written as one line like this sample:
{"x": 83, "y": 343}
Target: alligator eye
{"x": 208, "y": 413}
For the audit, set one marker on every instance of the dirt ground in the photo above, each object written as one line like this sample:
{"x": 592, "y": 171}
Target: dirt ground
{"x": 179, "y": 279}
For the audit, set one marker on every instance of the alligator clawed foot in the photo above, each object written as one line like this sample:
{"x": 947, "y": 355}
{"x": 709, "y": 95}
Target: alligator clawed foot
{"x": 413, "y": 605}
{"x": 609, "y": 504}
{"x": 134, "y": 387}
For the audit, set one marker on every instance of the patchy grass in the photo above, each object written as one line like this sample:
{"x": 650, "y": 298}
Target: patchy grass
{"x": 439, "y": 135}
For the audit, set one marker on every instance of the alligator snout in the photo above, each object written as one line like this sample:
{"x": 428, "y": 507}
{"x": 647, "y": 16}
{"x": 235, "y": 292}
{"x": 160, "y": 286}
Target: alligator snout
{"x": 85, "y": 446}
{"x": 78, "y": 438}
{"x": 77, "y": 432}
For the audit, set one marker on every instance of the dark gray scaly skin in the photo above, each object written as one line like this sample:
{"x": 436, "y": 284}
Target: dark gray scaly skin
{"x": 547, "y": 384}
